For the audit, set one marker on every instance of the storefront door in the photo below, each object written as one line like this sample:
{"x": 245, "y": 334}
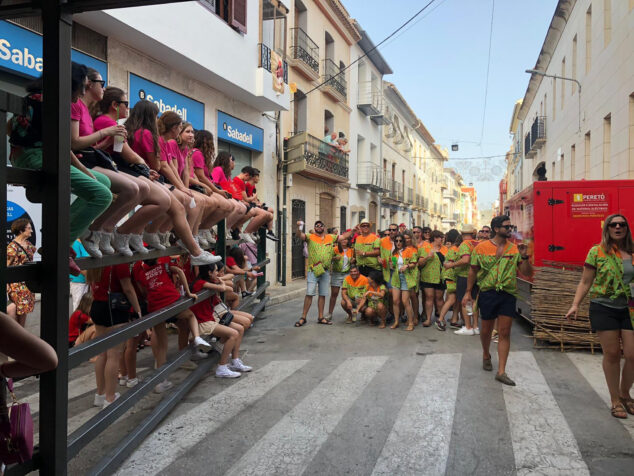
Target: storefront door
{"x": 298, "y": 262}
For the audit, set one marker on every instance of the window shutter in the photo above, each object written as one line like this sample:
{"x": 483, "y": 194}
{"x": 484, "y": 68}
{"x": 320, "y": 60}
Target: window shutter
{"x": 238, "y": 15}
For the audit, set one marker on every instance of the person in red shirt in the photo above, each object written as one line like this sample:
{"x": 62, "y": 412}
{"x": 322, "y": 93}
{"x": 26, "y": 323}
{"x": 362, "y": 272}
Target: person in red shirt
{"x": 230, "y": 335}
{"x": 252, "y": 192}
{"x": 80, "y": 319}
{"x": 160, "y": 291}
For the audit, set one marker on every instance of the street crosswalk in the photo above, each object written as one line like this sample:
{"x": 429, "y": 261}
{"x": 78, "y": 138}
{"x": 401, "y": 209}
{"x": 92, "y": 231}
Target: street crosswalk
{"x": 419, "y": 436}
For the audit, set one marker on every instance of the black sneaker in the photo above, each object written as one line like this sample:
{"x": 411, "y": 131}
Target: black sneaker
{"x": 246, "y": 294}
{"x": 455, "y": 325}
{"x": 271, "y": 236}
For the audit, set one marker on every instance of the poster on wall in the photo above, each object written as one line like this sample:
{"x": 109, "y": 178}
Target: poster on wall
{"x": 190, "y": 110}
{"x": 19, "y": 207}
{"x": 277, "y": 72}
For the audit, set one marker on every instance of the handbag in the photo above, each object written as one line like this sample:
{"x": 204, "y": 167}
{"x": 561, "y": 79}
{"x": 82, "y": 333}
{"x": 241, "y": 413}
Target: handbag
{"x": 318, "y": 269}
{"x": 223, "y": 314}
{"x": 16, "y": 429}
{"x": 92, "y": 157}
{"x": 117, "y": 301}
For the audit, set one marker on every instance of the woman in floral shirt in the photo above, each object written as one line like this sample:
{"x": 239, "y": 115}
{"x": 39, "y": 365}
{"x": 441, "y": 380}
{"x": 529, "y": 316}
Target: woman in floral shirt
{"x": 608, "y": 275}
{"x": 403, "y": 263}
{"x": 20, "y": 251}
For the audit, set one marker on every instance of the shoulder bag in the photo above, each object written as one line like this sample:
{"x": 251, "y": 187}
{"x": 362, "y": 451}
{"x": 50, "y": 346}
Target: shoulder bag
{"x": 16, "y": 428}
{"x": 222, "y": 313}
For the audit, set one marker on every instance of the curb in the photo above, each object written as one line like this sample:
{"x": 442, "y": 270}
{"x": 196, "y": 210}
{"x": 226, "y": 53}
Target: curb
{"x": 287, "y": 296}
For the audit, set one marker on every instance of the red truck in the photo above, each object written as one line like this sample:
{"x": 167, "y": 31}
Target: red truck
{"x": 560, "y": 221}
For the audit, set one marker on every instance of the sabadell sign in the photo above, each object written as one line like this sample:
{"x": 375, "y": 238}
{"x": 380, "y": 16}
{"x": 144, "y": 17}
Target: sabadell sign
{"x": 231, "y": 129}
{"x": 21, "y": 52}
{"x": 189, "y": 109}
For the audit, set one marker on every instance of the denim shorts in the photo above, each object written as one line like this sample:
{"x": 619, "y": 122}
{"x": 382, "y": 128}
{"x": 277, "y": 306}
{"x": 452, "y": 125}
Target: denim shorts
{"x": 336, "y": 280}
{"x": 312, "y": 282}
{"x": 403, "y": 281}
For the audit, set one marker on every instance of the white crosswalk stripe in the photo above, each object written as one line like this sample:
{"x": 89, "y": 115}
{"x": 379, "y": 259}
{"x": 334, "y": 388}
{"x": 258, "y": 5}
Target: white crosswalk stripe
{"x": 419, "y": 440}
{"x": 294, "y": 440}
{"x": 172, "y": 439}
{"x": 542, "y": 440}
{"x": 591, "y": 368}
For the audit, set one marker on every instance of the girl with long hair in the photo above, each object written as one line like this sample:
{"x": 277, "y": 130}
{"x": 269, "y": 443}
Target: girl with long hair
{"x": 403, "y": 263}
{"x": 453, "y": 239}
{"x": 221, "y": 176}
{"x": 129, "y": 191}
{"x": 431, "y": 260}
{"x": 608, "y": 274}
{"x": 143, "y": 138}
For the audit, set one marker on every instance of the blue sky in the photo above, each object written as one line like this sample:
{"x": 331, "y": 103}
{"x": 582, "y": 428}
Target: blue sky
{"x": 440, "y": 66}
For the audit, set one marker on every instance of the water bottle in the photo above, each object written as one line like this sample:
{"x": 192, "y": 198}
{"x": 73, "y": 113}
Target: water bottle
{"x": 469, "y": 308}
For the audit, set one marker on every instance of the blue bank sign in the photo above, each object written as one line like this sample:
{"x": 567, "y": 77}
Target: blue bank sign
{"x": 231, "y": 129}
{"x": 167, "y": 100}
{"x": 21, "y": 52}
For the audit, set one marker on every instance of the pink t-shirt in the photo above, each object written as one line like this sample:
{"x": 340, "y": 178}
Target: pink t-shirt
{"x": 181, "y": 158}
{"x": 198, "y": 160}
{"x": 218, "y": 175}
{"x": 143, "y": 143}
{"x": 79, "y": 112}
{"x": 102, "y": 122}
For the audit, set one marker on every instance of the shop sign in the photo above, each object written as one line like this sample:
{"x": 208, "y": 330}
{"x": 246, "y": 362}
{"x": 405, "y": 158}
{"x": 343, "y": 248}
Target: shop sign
{"x": 167, "y": 100}
{"x": 21, "y": 51}
{"x": 231, "y": 129}
{"x": 589, "y": 205}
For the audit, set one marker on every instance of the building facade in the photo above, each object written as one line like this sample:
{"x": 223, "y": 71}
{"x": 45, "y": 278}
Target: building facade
{"x": 367, "y": 120}
{"x": 451, "y": 204}
{"x": 581, "y": 127}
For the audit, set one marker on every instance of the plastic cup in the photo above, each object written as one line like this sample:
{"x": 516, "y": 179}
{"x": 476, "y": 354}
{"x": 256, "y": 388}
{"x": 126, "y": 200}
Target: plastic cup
{"x": 118, "y": 144}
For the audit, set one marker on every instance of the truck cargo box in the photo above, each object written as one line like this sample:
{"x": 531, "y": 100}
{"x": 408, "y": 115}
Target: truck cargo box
{"x": 560, "y": 221}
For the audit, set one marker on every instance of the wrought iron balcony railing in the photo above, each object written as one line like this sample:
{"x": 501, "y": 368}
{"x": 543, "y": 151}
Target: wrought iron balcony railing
{"x": 370, "y": 98}
{"x": 369, "y": 176}
{"x": 335, "y": 78}
{"x": 305, "y": 49}
{"x": 309, "y": 155}
{"x": 265, "y": 60}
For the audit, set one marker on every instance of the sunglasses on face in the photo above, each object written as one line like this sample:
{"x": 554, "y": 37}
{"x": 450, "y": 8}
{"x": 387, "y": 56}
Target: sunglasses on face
{"x": 319, "y": 225}
{"x": 398, "y": 241}
{"x": 620, "y": 224}
{"x": 365, "y": 226}
{"x": 392, "y": 229}
{"x": 100, "y": 81}
{"x": 125, "y": 103}
{"x": 508, "y": 227}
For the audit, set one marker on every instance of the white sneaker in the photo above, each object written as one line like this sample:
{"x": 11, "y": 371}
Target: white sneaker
{"x": 238, "y": 366}
{"x": 247, "y": 238}
{"x": 106, "y": 403}
{"x": 105, "y": 238}
{"x": 164, "y": 386}
{"x": 228, "y": 236}
{"x": 132, "y": 382}
{"x": 198, "y": 355}
{"x": 153, "y": 240}
{"x": 204, "y": 258}
{"x": 121, "y": 243}
{"x": 123, "y": 380}
{"x": 99, "y": 399}
{"x": 165, "y": 239}
{"x": 189, "y": 365}
{"x": 209, "y": 237}
{"x": 222, "y": 371}
{"x": 476, "y": 331}
{"x": 90, "y": 240}
{"x": 136, "y": 243}
{"x": 463, "y": 331}
{"x": 201, "y": 344}
{"x": 202, "y": 240}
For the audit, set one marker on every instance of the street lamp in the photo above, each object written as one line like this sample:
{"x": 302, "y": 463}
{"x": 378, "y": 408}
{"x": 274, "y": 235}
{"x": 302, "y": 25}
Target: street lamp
{"x": 541, "y": 73}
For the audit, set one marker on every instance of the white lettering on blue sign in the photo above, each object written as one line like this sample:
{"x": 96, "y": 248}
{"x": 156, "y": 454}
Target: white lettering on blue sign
{"x": 20, "y": 57}
{"x": 240, "y": 136}
{"x": 165, "y": 107}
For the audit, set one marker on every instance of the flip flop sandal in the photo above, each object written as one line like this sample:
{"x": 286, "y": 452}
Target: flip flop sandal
{"x": 441, "y": 326}
{"x": 324, "y": 321}
{"x": 628, "y": 403}
{"x": 618, "y": 410}
{"x": 301, "y": 322}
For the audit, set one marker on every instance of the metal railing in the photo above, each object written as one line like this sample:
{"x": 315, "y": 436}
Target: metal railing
{"x": 410, "y": 195}
{"x": 304, "y": 48}
{"x": 265, "y": 60}
{"x": 536, "y": 136}
{"x": 319, "y": 155}
{"x": 334, "y": 77}
{"x": 369, "y": 99}
{"x": 369, "y": 175}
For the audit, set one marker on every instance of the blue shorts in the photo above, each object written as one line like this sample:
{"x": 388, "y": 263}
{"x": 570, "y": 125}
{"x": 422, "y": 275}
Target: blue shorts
{"x": 322, "y": 281}
{"x": 403, "y": 282}
{"x": 493, "y": 304}
{"x": 336, "y": 280}
{"x": 388, "y": 283}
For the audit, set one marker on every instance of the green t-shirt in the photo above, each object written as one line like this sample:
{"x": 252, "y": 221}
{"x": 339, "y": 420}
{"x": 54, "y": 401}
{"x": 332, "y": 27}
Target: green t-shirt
{"x": 465, "y": 248}
{"x": 367, "y": 244}
{"x": 452, "y": 255}
{"x": 496, "y": 273}
{"x": 608, "y": 282}
{"x": 355, "y": 289}
{"x": 320, "y": 249}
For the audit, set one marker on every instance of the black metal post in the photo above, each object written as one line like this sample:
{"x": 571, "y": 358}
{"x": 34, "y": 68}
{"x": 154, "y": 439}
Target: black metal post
{"x": 221, "y": 242}
{"x": 55, "y": 236}
{"x": 262, "y": 255}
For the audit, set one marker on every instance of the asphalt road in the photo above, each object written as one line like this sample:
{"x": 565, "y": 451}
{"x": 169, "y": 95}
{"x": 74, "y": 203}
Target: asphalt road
{"x": 347, "y": 399}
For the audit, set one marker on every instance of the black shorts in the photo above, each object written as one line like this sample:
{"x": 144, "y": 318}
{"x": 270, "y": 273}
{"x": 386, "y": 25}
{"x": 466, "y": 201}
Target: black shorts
{"x": 438, "y": 286}
{"x": 493, "y": 304}
{"x": 461, "y": 289}
{"x": 102, "y": 315}
{"x": 604, "y": 318}
{"x": 366, "y": 270}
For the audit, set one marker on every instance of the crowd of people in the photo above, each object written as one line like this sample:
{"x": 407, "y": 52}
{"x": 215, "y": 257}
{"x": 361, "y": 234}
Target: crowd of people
{"x": 387, "y": 278}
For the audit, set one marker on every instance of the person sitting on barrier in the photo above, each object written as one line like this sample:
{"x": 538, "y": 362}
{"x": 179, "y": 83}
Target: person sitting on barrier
{"x": 221, "y": 176}
{"x": 252, "y": 193}
{"x": 92, "y": 189}
{"x": 160, "y": 291}
{"x": 232, "y": 299}
{"x": 30, "y": 354}
{"x": 113, "y": 296}
{"x": 261, "y": 217}
{"x": 230, "y": 334}
{"x": 217, "y": 207}
{"x": 237, "y": 265}
{"x": 110, "y": 109}
{"x": 90, "y": 147}
{"x": 80, "y": 319}
{"x": 144, "y": 139}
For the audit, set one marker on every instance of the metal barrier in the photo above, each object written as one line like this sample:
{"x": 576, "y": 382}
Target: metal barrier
{"x": 51, "y": 186}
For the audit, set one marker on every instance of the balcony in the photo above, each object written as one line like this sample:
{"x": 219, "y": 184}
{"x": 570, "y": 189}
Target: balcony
{"x": 265, "y": 61}
{"x": 394, "y": 192}
{"x": 410, "y": 195}
{"x": 370, "y": 98}
{"x": 382, "y": 118}
{"x": 536, "y": 137}
{"x": 334, "y": 80}
{"x": 450, "y": 194}
{"x": 307, "y": 155}
{"x": 304, "y": 54}
{"x": 370, "y": 177}
{"x": 443, "y": 184}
